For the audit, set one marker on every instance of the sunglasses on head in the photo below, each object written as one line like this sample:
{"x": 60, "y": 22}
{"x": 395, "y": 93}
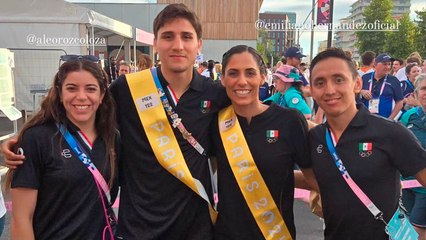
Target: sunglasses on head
{"x": 73, "y": 57}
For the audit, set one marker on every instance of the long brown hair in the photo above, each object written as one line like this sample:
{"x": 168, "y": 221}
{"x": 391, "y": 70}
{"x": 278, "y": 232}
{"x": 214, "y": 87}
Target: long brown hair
{"x": 52, "y": 110}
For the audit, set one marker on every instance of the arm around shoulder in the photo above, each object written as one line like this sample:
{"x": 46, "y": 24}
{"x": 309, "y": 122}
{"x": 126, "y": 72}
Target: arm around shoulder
{"x": 12, "y": 160}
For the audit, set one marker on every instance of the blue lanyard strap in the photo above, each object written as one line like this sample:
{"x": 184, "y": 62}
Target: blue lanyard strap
{"x": 337, "y": 161}
{"x": 282, "y": 101}
{"x": 85, "y": 159}
{"x": 351, "y": 183}
{"x": 410, "y": 84}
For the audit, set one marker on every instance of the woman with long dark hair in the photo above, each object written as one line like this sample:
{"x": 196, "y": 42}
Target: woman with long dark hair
{"x": 62, "y": 191}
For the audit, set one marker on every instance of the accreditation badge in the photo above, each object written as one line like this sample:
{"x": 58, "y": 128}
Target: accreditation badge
{"x": 400, "y": 228}
{"x": 373, "y": 105}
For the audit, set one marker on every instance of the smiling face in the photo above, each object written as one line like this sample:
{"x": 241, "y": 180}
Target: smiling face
{"x": 396, "y": 66}
{"x": 333, "y": 87}
{"x": 242, "y": 79}
{"x": 381, "y": 69}
{"x": 177, "y": 45}
{"x": 81, "y": 97}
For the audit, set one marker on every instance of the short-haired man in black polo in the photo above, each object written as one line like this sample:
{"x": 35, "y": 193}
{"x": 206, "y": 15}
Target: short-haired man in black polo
{"x": 369, "y": 151}
{"x": 155, "y": 203}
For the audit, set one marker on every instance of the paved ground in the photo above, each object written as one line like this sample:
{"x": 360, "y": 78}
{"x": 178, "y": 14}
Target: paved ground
{"x": 308, "y": 226}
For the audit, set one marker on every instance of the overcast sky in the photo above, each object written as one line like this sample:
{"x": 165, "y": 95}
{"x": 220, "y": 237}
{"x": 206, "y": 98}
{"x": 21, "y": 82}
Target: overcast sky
{"x": 303, "y": 7}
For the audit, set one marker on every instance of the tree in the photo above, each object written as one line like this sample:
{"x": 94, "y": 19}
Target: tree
{"x": 420, "y": 33}
{"x": 400, "y": 43}
{"x": 264, "y": 46}
{"x": 379, "y": 11}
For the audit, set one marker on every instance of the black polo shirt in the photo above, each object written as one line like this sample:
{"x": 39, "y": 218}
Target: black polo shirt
{"x": 153, "y": 203}
{"x": 275, "y": 158}
{"x": 394, "y": 151}
{"x": 68, "y": 203}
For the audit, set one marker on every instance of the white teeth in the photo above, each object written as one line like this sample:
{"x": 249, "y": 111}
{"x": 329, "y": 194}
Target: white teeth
{"x": 82, "y": 107}
{"x": 242, "y": 91}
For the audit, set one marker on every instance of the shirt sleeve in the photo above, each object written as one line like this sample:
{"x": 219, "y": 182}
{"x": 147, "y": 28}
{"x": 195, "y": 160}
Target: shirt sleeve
{"x": 397, "y": 90}
{"x": 299, "y": 141}
{"x": 406, "y": 116}
{"x": 409, "y": 157}
{"x": 28, "y": 175}
{"x": 365, "y": 81}
{"x": 222, "y": 98}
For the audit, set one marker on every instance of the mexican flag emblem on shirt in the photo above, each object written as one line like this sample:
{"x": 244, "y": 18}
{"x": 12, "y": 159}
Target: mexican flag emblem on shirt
{"x": 272, "y": 133}
{"x": 205, "y": 104}
{"x": 365, "y": 146}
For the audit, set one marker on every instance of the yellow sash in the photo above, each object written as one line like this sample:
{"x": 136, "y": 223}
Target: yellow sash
{"x": 249, "y": 179}
{"x": 159, "y": 132}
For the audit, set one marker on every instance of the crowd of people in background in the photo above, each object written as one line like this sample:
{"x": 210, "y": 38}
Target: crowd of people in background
{"x": 255, "y": 119}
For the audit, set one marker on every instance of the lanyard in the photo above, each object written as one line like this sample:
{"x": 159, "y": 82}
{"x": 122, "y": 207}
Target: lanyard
{"x": 354, "y": 187}
{"x": 282, "y": 101}
{"x": 85, "y": 159}
{"x": 176, "y": 121}
{"x": 383, "y": 85}
{"x": 410, "y": 84}
{"x": 173, "y": 95}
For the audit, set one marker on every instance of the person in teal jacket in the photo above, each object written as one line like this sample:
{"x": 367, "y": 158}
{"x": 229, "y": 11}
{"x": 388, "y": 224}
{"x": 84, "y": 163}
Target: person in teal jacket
{"x": 289, "y": 94}
{"x": 414, "y": 199}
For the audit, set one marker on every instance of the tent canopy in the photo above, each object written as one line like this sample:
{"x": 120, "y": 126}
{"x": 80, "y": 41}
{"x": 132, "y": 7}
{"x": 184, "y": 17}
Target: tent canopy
{"x": 59, "y": 11}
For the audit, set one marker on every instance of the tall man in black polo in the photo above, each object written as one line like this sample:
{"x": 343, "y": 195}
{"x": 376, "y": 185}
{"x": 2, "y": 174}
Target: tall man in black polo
{"x": 373, "y": 150}
{"x": 154, "y": 204}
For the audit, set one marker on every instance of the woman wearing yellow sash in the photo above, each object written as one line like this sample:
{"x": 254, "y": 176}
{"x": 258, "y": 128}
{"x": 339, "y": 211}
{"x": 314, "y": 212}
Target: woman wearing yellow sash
{"x": 257, "y": 147}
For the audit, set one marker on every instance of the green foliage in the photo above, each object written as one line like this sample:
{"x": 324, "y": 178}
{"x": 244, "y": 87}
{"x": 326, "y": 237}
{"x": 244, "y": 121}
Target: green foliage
{"x": 379, "y": 11}
{"x": 400, "y": 43}
{"x": 420, "y": 33}
{"x": 265, "y": 47}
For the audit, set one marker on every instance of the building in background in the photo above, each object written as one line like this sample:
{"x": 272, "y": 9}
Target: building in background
{"x": 277, "y": 31}
{"x": 225, "y": 23}
{"x": 322, "y": 46}
{"x": 346, "y": 39}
